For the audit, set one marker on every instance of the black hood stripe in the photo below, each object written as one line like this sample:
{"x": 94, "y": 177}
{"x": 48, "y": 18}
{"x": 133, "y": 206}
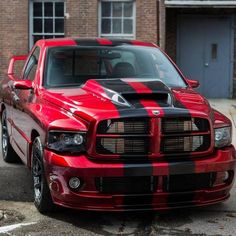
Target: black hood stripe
{"x": 139, "y": 110}
{"x": 172, "y": 165}
{"x": 129, "y": 169}
{"x": 179, "y": 110}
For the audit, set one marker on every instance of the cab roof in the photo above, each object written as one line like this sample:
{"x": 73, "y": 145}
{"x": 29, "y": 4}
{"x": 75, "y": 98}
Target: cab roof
{"x": 91, "y": 42}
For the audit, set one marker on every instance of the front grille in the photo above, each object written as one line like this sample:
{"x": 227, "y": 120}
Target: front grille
{"x": 126, "y": 185}
{"x": 185, "y": 135}
{"x": 128, "y": 146}
{"x": 185, "y": 144}
{"x": 124, "y": 126}
{"x": 188, "y": 182}
{"x": 179, "y": 125}
{"x": 129, "y": 136}
{"x": 139, "y": 137}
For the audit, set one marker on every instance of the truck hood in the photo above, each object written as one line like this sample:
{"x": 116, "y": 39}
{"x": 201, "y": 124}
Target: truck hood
{"x": 102, "y": 99}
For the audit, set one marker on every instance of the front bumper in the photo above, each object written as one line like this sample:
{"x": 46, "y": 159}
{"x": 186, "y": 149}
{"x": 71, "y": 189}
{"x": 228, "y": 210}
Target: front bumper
{"x": 59, "y": 169}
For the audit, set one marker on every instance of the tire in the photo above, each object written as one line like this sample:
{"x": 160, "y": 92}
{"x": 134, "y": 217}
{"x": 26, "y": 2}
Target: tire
{"x": 42, "y": 196}
{"x": 8, "y": 153}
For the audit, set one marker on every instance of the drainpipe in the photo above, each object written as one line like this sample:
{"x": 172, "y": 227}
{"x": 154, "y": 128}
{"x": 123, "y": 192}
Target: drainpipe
{"x": 162, "y": 24}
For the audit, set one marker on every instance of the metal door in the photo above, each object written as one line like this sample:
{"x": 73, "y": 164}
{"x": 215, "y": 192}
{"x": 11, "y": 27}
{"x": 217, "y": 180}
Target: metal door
{"x": 204, "y": 53}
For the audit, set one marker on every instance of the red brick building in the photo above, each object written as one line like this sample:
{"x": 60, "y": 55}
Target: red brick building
{"x": 198, "y": 35}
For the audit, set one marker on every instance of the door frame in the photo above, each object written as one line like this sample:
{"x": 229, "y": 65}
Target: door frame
{"x": 231, "y": 37}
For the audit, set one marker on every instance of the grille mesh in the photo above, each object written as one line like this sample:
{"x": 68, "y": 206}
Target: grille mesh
{"x": 185, "y": 144}
{"x": 124, "y": 126}
{"x": 122, "y": 146}
{"x": 178, "y": 125}
{"x": 173, "y": 141}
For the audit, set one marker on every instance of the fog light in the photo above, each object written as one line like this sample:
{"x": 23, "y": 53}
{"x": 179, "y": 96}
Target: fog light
{"x": 222, "y": 178}
{"x": 226, "y": 176}
{"x": 74, "y": 182}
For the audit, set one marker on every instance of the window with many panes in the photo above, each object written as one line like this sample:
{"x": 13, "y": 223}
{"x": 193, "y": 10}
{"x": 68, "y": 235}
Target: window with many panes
{"x": 117, "y": 18}
{"x": 47, "y": 19}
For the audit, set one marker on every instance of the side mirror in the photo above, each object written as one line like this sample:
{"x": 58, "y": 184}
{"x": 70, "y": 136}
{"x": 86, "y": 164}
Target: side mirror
{"x": 193, "y": 83}
{"x": 23, "y": 84}
{"x": 13, "y": 61}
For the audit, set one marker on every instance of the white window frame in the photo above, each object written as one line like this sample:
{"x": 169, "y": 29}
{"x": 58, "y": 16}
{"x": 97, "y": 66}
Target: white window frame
{"x": 31, "y": 19}
{"x": 111, "y": 35}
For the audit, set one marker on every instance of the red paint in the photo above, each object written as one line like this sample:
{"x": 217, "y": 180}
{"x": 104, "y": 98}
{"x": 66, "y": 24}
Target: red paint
{"x": 81, "y": 109}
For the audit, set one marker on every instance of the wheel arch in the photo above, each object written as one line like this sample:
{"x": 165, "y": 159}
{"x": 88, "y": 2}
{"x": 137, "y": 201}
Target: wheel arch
{"x": 34, "y": 134}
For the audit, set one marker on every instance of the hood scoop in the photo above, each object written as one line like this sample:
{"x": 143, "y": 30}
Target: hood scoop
{"x": 163, "y": 99}
{"x": 129, "y": 92}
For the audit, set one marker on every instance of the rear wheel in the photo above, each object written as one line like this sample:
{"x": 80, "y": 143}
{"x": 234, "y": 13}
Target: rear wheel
{"x": 8, "y": 154}
{"x": 42, "y": 196}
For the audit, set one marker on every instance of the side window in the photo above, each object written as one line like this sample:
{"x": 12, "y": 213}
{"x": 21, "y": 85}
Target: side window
{"x": 32, "y": 65}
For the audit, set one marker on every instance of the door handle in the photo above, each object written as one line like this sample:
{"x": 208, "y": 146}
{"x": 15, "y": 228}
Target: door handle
{"x": 206, "y": 64}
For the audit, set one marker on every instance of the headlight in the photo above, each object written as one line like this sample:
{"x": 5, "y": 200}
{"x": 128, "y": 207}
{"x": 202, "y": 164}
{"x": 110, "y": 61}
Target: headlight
{"x": 60, "y": 141}
{"x": 223, "y": 137}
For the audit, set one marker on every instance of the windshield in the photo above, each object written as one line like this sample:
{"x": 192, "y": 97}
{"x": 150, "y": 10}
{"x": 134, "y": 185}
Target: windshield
{"x": 73, "y": 66}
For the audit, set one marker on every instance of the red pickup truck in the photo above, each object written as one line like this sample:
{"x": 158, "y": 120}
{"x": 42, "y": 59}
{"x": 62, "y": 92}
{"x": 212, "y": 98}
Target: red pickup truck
{"x": 113, "y": 125}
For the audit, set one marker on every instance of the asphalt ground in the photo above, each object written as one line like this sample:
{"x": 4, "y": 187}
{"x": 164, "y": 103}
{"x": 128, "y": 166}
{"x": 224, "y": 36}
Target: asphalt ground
{"x": 18, "y": 216}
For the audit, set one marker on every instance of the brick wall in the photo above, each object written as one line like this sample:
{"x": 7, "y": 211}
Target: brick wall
{"x": 146, "y": 20}
{"x": 82, "y": 18}
{"x": 171, "y": 32}
{"x": 13, "y": 31}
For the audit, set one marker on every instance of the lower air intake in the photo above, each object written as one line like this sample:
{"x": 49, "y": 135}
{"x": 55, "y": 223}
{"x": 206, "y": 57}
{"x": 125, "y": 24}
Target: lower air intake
{"x": 126, "y": 185}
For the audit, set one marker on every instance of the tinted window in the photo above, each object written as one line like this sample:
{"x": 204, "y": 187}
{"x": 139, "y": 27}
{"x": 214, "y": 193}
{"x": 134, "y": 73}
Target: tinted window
{"x": 73, "y": 66}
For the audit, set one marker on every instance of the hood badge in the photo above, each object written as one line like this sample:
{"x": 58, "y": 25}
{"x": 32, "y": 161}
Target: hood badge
{"x": 156, "y": 112}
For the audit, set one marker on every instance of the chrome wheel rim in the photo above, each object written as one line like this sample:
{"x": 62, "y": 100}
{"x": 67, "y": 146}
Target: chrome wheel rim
{"x": 37, "y": 173}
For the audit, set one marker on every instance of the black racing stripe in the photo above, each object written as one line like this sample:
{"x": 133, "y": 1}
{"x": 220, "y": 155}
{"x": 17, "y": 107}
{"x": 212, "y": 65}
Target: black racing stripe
{"x": 118, "y": 42}
{"x": 87, "y": 42}
{"x": 172, "y": 165}
{"x": 145, "y": 169}
{"x": 159, "y": 87}
{"x": 156, "y": 86}
{"x": 174, "y": 112}
{"x": 119, "y": 85}
{"x": 179, "y": 110}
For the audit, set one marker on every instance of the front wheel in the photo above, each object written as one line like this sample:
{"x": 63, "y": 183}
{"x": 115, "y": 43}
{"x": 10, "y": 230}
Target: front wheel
{"x": 42, "y": 196}
{"x": 8, "y": 153}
